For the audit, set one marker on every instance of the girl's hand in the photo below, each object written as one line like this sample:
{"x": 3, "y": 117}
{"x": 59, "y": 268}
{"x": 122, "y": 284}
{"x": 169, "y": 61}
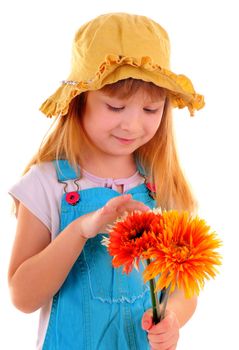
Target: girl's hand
{"x": 91, "y": 224}
{"x": 165, "y": 334}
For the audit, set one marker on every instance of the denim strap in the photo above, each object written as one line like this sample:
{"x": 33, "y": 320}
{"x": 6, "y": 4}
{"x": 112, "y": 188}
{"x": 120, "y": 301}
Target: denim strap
{"x": 65, "y": 171}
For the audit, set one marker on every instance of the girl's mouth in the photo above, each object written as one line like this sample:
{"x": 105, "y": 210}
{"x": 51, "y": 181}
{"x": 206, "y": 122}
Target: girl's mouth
{"x": 124, "y": 140}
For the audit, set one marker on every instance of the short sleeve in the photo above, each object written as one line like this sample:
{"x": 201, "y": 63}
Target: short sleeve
{"x": 39, "y": 191}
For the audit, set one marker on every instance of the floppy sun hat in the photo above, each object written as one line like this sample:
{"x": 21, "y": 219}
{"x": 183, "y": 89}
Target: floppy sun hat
{"x": 118, "y": 46}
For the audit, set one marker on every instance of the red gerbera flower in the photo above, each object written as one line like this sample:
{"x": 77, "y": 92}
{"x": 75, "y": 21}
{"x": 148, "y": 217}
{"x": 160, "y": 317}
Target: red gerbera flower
{"x": 130, "y": 237}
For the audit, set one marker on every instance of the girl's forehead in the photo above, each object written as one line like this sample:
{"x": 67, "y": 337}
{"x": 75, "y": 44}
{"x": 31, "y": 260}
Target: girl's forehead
{"x": 130, "y": 89}
{"x": 141, "y": 94}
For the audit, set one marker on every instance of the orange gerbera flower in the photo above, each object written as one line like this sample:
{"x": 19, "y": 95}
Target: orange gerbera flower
{"x": 132, "y": 236}
{"x": 184, "y": 254}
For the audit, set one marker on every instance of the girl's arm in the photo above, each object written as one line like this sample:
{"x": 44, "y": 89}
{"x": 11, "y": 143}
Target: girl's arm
{"x": 165, "y": 335}
{"x": 38, "y": 267}
{"x": 182, "y": 307}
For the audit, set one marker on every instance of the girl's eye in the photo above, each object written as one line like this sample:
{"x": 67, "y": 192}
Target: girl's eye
{"x": 152, "y": 111}
{"x": 114, "y": 109}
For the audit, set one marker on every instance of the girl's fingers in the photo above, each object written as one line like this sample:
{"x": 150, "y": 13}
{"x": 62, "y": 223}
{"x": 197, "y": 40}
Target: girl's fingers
{"x": 159, "y": 347}
{"x": 121, "y": 204}
{"x": 115, "y": 203}
{"x": 164, "y": 335}
{"x": 170, "y": 322}
{"x": 98, "y": 221}
{"x": 161, "y": 343}
{"x": 147, "y": 320}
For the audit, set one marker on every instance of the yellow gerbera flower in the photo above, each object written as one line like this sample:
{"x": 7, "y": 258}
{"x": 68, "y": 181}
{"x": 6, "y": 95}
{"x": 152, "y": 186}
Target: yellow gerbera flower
{"x": 184, "y": 255}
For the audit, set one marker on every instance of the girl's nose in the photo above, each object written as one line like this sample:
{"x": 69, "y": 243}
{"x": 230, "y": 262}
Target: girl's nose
{"x": 130, "y": 121}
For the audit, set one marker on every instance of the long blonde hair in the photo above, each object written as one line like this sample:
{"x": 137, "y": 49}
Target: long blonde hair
{"x": 66, "y": 140}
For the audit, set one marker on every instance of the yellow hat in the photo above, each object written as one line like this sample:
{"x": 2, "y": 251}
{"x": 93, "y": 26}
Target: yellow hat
{"x": 117, "y": 46}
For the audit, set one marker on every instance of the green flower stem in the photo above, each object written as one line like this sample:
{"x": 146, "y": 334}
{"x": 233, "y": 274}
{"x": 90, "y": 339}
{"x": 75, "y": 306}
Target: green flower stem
{"x": 154, "y": 299}
{"x": 158, "y": 305}
{"x": 163, "y": 301}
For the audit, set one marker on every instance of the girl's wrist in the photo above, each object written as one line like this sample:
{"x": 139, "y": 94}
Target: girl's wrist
{"x": 76, "y": 229}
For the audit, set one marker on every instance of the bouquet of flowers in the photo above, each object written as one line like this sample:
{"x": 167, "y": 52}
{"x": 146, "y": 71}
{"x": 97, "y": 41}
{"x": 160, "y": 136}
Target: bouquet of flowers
{"x": 178, "y": 249}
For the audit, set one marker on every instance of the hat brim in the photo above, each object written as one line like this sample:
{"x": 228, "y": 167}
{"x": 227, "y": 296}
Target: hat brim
{"x": 179, "y": 88}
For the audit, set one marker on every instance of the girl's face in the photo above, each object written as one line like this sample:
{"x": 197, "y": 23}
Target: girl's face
{"x": 118, "y": 126}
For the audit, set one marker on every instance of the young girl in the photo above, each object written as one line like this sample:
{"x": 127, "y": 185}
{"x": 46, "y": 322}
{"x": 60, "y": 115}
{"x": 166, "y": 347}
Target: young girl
{"x": 111, "y": 139}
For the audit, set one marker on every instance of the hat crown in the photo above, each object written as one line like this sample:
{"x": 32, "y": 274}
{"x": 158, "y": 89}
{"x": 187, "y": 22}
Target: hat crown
{"x": 119, "y": 34}
{"x": 118, "y": 46}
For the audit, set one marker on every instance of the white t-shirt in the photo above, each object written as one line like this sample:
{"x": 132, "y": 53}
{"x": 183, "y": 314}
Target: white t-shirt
{"x": 40, "y": 192}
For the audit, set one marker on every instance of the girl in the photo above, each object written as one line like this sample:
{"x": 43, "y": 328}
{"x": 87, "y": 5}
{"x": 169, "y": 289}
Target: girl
{"x": 112, "y": 138}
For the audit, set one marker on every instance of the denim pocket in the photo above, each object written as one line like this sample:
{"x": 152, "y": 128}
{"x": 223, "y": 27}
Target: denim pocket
{"x": 107, "y": 283}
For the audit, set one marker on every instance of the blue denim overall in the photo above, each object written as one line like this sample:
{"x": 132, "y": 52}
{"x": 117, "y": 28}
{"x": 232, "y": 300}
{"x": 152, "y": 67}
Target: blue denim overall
{"x": 98, "y": 307}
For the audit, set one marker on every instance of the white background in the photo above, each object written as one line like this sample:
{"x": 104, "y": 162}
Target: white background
{"x": 35, "y": 46}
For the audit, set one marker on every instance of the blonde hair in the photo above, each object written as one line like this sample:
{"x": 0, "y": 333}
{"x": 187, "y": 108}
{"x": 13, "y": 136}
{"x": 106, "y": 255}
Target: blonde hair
{"x": 66, "y": 140}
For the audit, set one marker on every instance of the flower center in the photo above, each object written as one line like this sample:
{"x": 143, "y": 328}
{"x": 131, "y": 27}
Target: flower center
{"x": 136, "y": 234}
{"x": 181, "y": 252}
